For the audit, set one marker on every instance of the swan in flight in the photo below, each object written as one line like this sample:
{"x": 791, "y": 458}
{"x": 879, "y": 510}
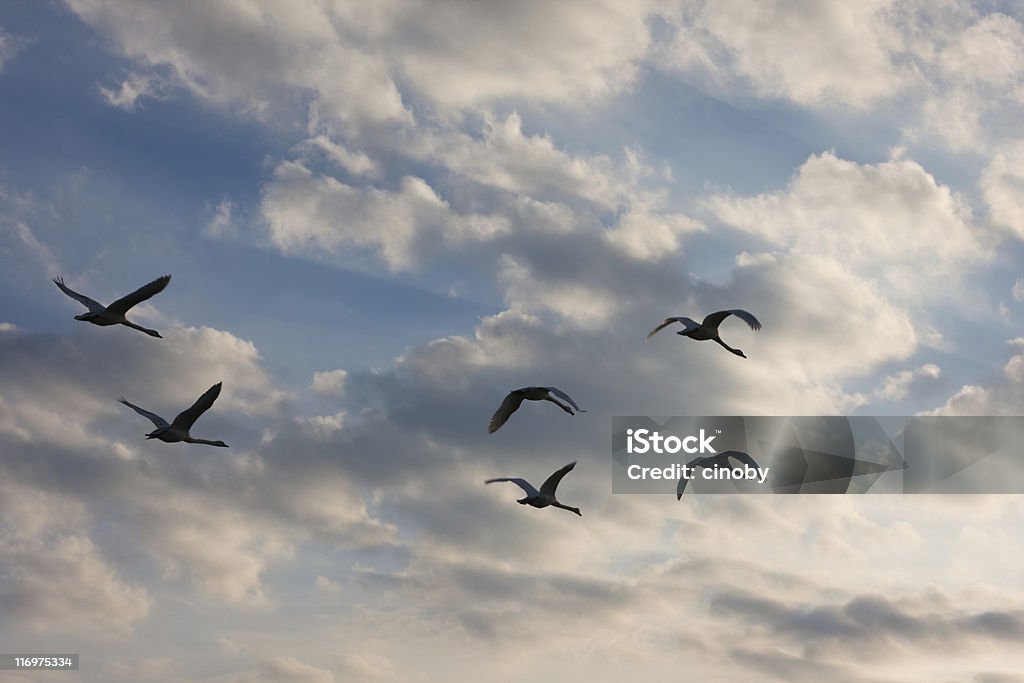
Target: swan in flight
{"x": 516, "y": 397}
{"x": 715, "y": 461}
{"x": 178, "y": 430}
{"x": 546, "y": 495}
{"x": 114, "y": 313}
{"x": 709, "y": 328}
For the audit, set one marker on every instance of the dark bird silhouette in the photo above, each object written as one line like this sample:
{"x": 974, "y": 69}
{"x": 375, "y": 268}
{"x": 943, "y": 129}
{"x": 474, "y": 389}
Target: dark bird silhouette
{"x": 516, "y": 397}
{"x": 715, "y": 462}
{"x": 114, "y": 314}
{"x": 179, "y": 429}
{"x": 546, "y": 495}
{"x": 709, "y": 328}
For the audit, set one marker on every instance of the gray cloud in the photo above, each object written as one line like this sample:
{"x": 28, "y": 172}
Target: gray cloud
{"x": 872, "y": 624}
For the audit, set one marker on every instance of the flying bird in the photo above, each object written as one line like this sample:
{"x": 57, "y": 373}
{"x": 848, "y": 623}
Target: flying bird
{"x": 709, "y": 328}
{"x": 179, "y": 429}
{"x": 516, "y": 397}
{"x": 714, "y": 461}
{"x": 546, "y": 495}
{"x": 114, "y": 313}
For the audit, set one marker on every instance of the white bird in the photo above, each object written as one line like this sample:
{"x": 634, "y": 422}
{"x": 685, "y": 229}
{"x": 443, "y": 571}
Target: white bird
{"x": 546, "y": 495}
{"x": 179, "y": 429}
{"x": 114, "y": 313}
{"x": 714, "y": 462}
{"x": 516, "y": 397}
{"x": 709, "y": 328}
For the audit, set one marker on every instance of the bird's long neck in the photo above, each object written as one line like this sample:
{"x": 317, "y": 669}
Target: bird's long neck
{"x": 567, "y": 507}
{"x": 729, "y": 348}
{"x": 207, "y": 442}
{"x": 140, "y": 328}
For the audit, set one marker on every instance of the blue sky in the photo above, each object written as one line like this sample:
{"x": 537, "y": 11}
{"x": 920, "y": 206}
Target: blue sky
{"x": 381, "y": 217}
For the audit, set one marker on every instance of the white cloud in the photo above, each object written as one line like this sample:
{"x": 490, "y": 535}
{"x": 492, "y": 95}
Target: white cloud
{"x": 998, "y": 397}
{"x": 222, "y": 224}
{"x": 10, "y": 46}
{"x": 651, "y": 236}
{"x": 309, "y": 214}
{"x": 896, "y": 387}
{"x": 356, "y": 163}
{"x": 350, "y": 58}
{"x": 1018, "y": 290}
{"x": 326, "y": 585}
{"x": 329, "y": 382}
{"x": 145, "y": 668}
{"x": 55, "y": 578}
{"x": 824, "y": 53}
{"x": 824, "y": 323}
{"x": 128, "y": 93}
{"x": 508, "y": 159}
{"x": 975, "y": 70}
{"x": 244, "y": 56}
{"x": 1002, "y": 185}
{"x": 990, "y": 52}
{"x": 217, "y": 524}
{"x": 217, "y": 547}
{"x": 31, "y": 244}
{"x": 890, "y": 221}
{"x": 953, "y": 69}
{"x": 954, "y": 118}
{"x": 567, "y": 52}
{"x": 278, "y": 670}
{"x": 586, "y": 305}
{"x": 367, "y": 666}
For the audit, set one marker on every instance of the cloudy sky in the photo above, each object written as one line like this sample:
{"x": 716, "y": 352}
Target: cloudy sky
{"x": 381, "y": 216}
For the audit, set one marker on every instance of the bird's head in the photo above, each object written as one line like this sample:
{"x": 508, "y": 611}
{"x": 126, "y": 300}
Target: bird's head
{"x": 219, "y": 443}
{"x": 739, "y": 353}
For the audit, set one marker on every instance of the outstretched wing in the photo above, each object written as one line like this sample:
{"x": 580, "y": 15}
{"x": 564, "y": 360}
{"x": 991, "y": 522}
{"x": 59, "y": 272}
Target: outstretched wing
{"x": 153, "y": 417}
{"x": 720, "y": 460}
{"x": 508, "y": 406}
{"x": 121, "y": 306}
{"x": 521, "y": 483}
{"x": 740, "y": 456}
{"x": 683, "y": 481}
{"x": 187, "y": 418}
{"x": 93, "y": 305}
{"x": 715, "y": 319}
{"x": 687, "y": 322}
{"x": 551, "y": 483}
{"x": 681, "y": 487}
{"x": 565, "y": 397}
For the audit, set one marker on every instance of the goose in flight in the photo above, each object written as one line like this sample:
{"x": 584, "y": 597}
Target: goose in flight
{"x": 114, "y": 313}
{"x": 546, "y": 495}
{"x": 709, "y": 328}
{"x": 714, "y": 461}
{"x": 516, "y": 397}
{"x": 179, "y": 429}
